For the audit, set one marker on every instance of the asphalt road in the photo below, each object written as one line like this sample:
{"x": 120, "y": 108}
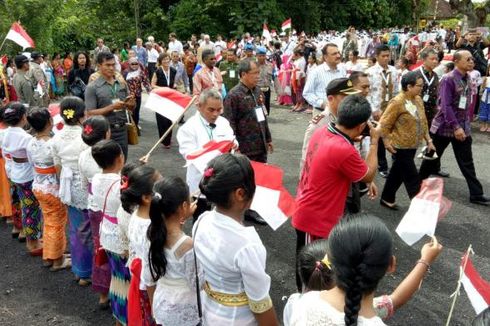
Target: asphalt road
{"x": 31, "y": 295}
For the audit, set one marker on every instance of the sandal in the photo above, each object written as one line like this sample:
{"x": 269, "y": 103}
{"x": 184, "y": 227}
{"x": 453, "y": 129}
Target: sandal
{"x": 36, "y": 252}
{"x": 65, "y": 265}
{"x": 83, "y": 282}
{"x": 393, "y": 207}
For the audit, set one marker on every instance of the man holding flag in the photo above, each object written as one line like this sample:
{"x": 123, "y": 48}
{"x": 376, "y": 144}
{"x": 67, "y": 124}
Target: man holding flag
{"x": 39, "y": 80}
{"x": 203, "y": 127}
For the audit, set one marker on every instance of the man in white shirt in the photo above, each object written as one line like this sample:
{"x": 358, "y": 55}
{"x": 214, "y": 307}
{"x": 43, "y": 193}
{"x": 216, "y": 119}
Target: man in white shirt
{"x": 206, "y": 125}
{"x": 288, "y": 45}
{"x": 316, "y": 83}
{"x": 152, "y": 58}
{"x": 219, "y": 45}
{"x": 174, "y": 44}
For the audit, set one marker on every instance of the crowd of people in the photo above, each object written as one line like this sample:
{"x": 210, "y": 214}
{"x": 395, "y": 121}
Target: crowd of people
{"x": 125, "y": 220}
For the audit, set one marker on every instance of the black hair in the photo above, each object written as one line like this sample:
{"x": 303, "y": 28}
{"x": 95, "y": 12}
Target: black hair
{"x": 38, "y": 118}
{"x": 277, "y": 45}
{"x": 314, "y": 273}
{"x": 356, "y": 75}
{"x": 104, "y": 56}
{"x": 128, "y": 167}
{"x": 427, "y": 52}
{"x": 450, "y": 66}
{"x": 228, "y": 172}
{"x": 440, "y": 56}
{"x": 355, "y": 53}
{"x": 95, "y": 129}
{"x": 409, "y": 79}
{"x": 106, "y": 152}
{"x": 353, "y": 110}
{"x": 245, "y": 66}
{"x": 483, "y": 318}
{"x": 360, "y": 249}
{"x": 75, "y": 59}
{"x": 404, "y": 61}
{"x": 140, "y": 182}
{"x": 72, "y": 108}
{"x": 207, "y": 53}
{"x": 381, "y": 48}
{"x": 169, "y": 194}
{"x": 458, "y": 54}
{"x": 328, "y": 45}
{"x": 373, "y": 59}
{"x": 13, "y": 113}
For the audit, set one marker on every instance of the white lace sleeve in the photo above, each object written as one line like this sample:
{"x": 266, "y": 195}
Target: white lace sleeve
{"x": 189, "y": 270}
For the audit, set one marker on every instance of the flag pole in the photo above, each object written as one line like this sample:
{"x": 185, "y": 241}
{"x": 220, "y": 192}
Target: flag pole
{"x": 1, "y": 46}
{"x": 456, "y": 293}
{"x": 147, "y": 156}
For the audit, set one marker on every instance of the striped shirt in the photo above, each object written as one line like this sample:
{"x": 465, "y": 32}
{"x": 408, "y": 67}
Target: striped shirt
{"x": 315, "y": 91}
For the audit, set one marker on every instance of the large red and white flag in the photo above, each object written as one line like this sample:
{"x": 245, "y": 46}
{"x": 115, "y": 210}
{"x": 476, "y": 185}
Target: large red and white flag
{"x": 286, "y": 24}
{"x": 271, "y": 200}
{"x": 265, "y": 32}
{"x": 18, "y": 34}
{"x": 210, "y": 150}
{"x": 425, "y": 210}
{"x": 477, "y": 289}
{"x": 168, "y": 102}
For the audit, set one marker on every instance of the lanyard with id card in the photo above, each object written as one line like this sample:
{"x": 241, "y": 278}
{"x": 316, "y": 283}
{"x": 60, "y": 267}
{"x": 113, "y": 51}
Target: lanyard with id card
{"x": 232, "y": 73}
{"x": 463, "y": 99}
{"x": 259, "y": 110}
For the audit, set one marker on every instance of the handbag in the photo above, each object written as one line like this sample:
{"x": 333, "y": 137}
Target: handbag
{"x": 198, "y": 295}
{"x": 132, "y": 130}
{"x": 78, "y": 88}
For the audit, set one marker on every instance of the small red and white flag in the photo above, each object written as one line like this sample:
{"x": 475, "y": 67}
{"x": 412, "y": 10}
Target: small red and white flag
{"x": 218, "y": 57}
{"x": 54, "y": 111}
{"x": 477, "y": 289}
{"x": 271, "y": 200}
{"x": 273, "y": 33}
{"x": 210, "y": 150}
{"x": 426, "y": 209}
{"x": 4, "y": 60}
{"x": 286, "y": 24}
{"x": 18, "y": 34}
{"x": 168, "y": 102}
{"x": 265, "y": 32}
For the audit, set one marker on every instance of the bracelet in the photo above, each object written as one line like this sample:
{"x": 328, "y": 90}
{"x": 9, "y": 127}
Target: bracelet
{"x": 423, "y": 262}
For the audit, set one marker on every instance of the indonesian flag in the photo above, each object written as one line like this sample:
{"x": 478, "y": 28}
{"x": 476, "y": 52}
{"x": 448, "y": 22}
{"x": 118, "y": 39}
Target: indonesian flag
{"x": 18, "y": 34}
{"x": 54, "y": 111}
{"x": 477, "y": 289}
{"x": 168, "y": 102}
{"x": 265, "y": 33}
{"x": 286, "y": 24}
{"x": 210, "y": 150}
{"x": 218, "y": 57}
{"x": 271, "y": 200}
{"x": 273, "y": 33}
{"x": 4, "y": 60}
{"x": 425, "y": 210}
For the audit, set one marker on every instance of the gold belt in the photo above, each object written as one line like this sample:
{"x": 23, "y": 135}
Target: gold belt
{"x": 226, "y": 299}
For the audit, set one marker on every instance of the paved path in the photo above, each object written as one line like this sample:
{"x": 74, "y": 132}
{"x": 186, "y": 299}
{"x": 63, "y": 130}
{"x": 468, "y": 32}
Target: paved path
{"x": 31, "y": 295}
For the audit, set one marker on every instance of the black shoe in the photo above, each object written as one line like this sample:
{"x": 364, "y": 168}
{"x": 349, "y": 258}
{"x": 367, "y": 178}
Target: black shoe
{"x": 254, "y": 217}
{"x": 443, "y": 174}
{"x": 383, "y": 174}
{"x": 393, "y": 207}
{"x": 480, "y": 200}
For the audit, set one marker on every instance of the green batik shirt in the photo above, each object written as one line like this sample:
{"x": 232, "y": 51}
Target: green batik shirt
{"x": 230, "y": 78}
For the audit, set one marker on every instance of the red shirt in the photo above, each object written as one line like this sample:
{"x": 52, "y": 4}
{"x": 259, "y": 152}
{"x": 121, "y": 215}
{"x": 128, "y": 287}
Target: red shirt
{"x": 331, "y": 165}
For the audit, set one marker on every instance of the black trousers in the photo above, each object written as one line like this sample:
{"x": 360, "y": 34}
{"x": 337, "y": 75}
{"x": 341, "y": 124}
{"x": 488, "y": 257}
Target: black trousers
{"x": 382, "y": 162}
{"x": 267, "y": 101}
{"x": 403, "y": 170}
{"x": 464, "y": 157}
{"x": 120, "y": 136}
{"x": 136, "y": 111}
{"x": 191, "y": 84}
{"x": 163, "y": 124}
{"x": 258, "y": 157}
{"x": 152, "y": 66}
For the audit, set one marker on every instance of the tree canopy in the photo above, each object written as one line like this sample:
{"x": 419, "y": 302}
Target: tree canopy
{"x": 68, "y": 25}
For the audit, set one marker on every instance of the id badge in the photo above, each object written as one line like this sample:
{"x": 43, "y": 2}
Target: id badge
{"x": 462, "y": 103}
{"x": 426, "y": 97}
{"x": 259, "y": 112}
{"x": 232, "y": 73}
{"x": 115, "y": 100}
{"x": 387, "y": 97}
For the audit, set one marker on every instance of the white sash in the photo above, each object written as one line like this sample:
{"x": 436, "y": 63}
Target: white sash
{"x": 66, "y": 177}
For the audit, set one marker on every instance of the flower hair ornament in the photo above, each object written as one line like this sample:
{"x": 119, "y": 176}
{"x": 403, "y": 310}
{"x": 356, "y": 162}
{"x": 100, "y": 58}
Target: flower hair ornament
{"x": 157, "y": 195}
{"x": 9, "y": 110}
{"x": 327, "y": 262}
{"x": 88, "y": 129}
{"x": 209, "y": 172}
{"x": 69, "y": 113}
{"x": 124, "y": 183}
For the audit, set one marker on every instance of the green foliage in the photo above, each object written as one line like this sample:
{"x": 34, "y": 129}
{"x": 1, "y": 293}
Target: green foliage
{"x": 69, "y": 25}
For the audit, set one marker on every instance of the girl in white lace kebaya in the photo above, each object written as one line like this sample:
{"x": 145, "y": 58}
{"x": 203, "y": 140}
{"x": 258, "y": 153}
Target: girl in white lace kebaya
{"x": 66, "y": 148}
{"x": 231, "y": 254}
{"x": 316, "y": 274}
{"x": 171, "y": 257}
{"x": 46, "y": 187}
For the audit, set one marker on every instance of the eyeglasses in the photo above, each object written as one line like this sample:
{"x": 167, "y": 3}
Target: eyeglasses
{"x": 470, "y": 59}
{"x": 134, "y": 64}
{"x": 419, "y": 85}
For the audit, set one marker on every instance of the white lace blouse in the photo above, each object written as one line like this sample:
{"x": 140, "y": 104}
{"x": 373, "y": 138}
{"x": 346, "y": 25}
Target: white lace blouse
{"x": 174, "y": 301}
{"x": 39, "y": 154}
{"x": 311, "y": 310}
{"x": 139, "y": 246}
{"x": 88, "y": 168}
{"x": 66, "y": 148}
{"x": 14, "y": 144}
